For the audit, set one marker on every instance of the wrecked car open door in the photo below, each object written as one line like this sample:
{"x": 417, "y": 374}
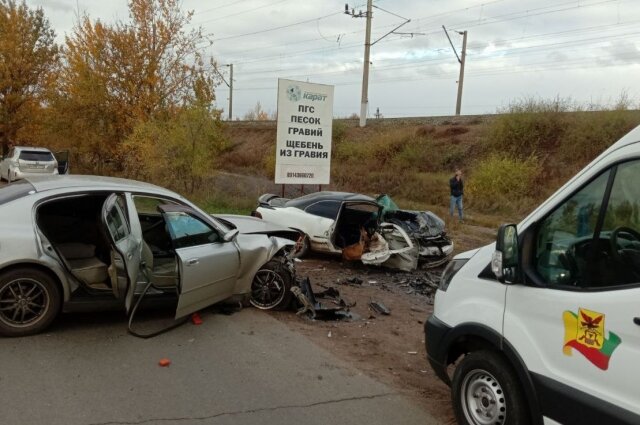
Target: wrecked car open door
{"x": 208, "y": 258}
{"x": 125, "y": 248}
{"x": 354, "y": 220}
{"x": 63, "y": 161}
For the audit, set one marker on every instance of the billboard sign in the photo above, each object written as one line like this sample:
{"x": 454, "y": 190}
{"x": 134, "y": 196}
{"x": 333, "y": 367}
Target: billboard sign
{"x": 303, "y": 148}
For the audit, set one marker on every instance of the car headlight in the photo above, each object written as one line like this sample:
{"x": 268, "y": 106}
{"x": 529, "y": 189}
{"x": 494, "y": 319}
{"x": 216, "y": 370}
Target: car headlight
{"x": 452, "y": 268}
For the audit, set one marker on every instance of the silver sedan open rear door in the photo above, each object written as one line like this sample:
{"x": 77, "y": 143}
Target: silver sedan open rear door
{"x": 125, "y": 248}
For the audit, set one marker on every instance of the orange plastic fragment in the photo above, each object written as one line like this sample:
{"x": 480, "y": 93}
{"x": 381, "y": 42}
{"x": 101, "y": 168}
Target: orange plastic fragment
{"x": 196, "y": 319}
{"x": 164, "y": 362}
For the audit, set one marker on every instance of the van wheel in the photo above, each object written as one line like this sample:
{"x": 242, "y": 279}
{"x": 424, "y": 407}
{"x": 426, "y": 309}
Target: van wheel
{"x": 29, "y": 301}
{"x": 271, "y": 287}
{"x": 485, "y": 390}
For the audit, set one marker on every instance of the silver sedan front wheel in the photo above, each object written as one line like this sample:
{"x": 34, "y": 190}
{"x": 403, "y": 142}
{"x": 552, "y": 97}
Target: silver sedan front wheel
{"x": 271, "y": 287}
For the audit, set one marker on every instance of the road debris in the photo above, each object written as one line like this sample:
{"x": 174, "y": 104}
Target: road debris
{"x": 379, "y": 308}
{"x": 164, "y": 362}
{"x": 351, "y": 281}
{"x": 196, "y": 319}
{"x": 336, "y": 308}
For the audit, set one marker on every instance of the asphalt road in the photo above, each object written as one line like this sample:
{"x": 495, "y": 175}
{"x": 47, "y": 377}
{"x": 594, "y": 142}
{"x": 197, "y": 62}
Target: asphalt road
{"x": 246, "y": 368}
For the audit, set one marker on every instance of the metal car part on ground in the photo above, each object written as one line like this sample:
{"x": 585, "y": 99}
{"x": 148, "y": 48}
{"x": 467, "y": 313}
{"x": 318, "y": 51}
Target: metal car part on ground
{"x": 87, "y": 243}
{"x": 350, "y": 224}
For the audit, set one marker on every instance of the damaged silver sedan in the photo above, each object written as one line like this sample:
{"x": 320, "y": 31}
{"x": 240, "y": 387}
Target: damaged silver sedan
{"x": 74, "y": 243}
{"x": 373, "y": 230}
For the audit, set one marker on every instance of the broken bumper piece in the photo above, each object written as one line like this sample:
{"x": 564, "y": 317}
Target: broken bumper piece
{"x": 334, "y": 306}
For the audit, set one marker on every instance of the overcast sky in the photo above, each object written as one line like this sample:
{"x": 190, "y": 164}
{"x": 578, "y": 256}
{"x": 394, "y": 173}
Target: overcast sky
{"x": 586, "y": 50}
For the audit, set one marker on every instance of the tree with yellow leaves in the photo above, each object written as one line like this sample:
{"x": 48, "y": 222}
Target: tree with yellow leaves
{"x": 117, "y": 77}
{"x": 28, "y": 59}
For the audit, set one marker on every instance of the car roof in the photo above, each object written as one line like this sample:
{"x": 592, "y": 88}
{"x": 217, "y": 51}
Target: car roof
{"x": 29, "y": 148}
{"x": 306, "y": 200}
{"x": 45, "y": 183}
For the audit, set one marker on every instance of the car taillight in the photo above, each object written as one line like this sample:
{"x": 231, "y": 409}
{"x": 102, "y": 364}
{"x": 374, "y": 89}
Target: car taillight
{"x": 256, "y": 214}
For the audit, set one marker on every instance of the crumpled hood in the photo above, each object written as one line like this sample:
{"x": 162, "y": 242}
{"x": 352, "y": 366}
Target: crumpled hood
{"x": 246, "y": 224}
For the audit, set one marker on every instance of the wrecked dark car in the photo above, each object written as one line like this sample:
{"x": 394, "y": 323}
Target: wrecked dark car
{"x": 359, "y": 227}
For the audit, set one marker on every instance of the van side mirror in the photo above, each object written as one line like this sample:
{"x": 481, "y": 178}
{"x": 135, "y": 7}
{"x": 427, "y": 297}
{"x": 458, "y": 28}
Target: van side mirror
{"x": 505, "y": 261}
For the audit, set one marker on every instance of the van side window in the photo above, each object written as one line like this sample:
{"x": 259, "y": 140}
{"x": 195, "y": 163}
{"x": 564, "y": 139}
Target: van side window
{"x": 621, "y": 228}
{"x": 564, "y": 237}
{"x": 578, "y": 247}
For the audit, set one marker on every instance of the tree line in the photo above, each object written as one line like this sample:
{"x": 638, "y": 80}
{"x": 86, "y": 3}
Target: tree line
{"x": 133, "y": 98}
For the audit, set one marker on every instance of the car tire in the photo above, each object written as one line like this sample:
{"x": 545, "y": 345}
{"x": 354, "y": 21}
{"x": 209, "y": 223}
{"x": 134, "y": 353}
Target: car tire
{"x": 485, "y": 390}
{"x": 271, "y": 287}
{"x": 29, "y": 301}
{"x": 303, "y": 245}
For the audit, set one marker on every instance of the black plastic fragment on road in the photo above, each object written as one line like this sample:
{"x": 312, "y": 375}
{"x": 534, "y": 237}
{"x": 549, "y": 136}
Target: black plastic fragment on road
{"x": 334, "y": 307}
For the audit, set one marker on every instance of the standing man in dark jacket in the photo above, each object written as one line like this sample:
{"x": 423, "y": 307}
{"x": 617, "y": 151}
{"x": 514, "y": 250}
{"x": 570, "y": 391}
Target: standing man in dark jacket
{"x": 457, "y": 190}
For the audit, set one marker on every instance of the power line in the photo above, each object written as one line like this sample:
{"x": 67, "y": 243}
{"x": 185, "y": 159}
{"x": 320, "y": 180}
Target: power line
{"x": 218, "y": 7}
{"x": 299, "y": 53}
{"x": 240, "y": 13}
{"x": 276, "y": 28}
{"x": 496, "y": 53}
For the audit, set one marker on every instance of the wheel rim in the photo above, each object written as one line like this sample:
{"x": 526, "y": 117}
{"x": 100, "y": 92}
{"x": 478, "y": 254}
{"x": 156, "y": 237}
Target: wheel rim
{"x": 23, "y": 302}
{"x": 483, "y": 400}
{"x": 267, "y": 289}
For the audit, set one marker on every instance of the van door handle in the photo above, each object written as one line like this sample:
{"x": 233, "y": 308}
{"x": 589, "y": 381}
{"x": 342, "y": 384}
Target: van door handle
{"x": 636, "y": 320}
{"x": 192, "y": 261}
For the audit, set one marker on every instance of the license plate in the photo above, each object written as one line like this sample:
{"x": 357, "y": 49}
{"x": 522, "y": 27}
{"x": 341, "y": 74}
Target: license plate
{"x": 36, "y": 166}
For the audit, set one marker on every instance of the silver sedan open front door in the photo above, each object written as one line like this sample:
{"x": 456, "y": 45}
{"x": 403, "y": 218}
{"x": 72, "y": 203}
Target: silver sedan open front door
{"x": 208, "y": 258}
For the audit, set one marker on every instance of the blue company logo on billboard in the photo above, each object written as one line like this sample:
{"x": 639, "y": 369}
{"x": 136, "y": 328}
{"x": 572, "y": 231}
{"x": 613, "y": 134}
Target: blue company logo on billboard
{"x": 295, "y": 95}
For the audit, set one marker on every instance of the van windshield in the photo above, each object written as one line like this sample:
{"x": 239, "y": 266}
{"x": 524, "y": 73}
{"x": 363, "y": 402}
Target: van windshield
{"x": 36, "y": 156}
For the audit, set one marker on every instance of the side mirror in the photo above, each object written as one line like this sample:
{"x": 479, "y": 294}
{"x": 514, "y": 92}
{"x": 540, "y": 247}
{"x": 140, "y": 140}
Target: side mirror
{"x": 505, "y": 260}
{"x": 230, "y": 235}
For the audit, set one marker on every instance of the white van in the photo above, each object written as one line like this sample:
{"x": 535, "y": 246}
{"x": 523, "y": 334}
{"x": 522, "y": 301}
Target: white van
{"x": 544, "y": 325}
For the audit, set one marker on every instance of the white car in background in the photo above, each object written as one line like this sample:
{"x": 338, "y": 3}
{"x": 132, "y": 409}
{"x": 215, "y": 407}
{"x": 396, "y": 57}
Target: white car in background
{"x": 23, "y": 161}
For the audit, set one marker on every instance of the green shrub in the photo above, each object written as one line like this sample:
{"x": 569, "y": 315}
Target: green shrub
{"x": 503, "y": 183}
{"x": 338, "y": 130}
{"x": 528, "y": 127}
{"x": 593, "y": 132}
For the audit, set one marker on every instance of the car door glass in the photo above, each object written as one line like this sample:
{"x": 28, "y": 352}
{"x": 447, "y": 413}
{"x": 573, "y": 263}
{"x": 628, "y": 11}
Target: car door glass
{"x": 187, "y": 230}
{"x": 326, "y": 209}
{"x": 116, "y": 222}
{"x": 621, "y": 229}
{"x": 564, "y": 238}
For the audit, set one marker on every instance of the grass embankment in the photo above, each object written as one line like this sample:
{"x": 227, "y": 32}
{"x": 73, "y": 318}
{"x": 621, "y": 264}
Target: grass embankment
{"x": 511, "y": 161}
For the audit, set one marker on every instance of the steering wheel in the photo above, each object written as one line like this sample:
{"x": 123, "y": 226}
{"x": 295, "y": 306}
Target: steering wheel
{"x": 613, "y": 239}
{"x": 628, "y": 256}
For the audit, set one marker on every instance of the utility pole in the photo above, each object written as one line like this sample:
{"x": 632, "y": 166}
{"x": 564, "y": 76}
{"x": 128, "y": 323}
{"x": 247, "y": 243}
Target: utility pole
{"x": 365, "y": 73}
{"x": 230, "y": 85}
{"x": 367, "y": 50}
{"x": 461, "y": 61}
{"x": 231, "y": 90}
{"x": 461, "y": 78}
